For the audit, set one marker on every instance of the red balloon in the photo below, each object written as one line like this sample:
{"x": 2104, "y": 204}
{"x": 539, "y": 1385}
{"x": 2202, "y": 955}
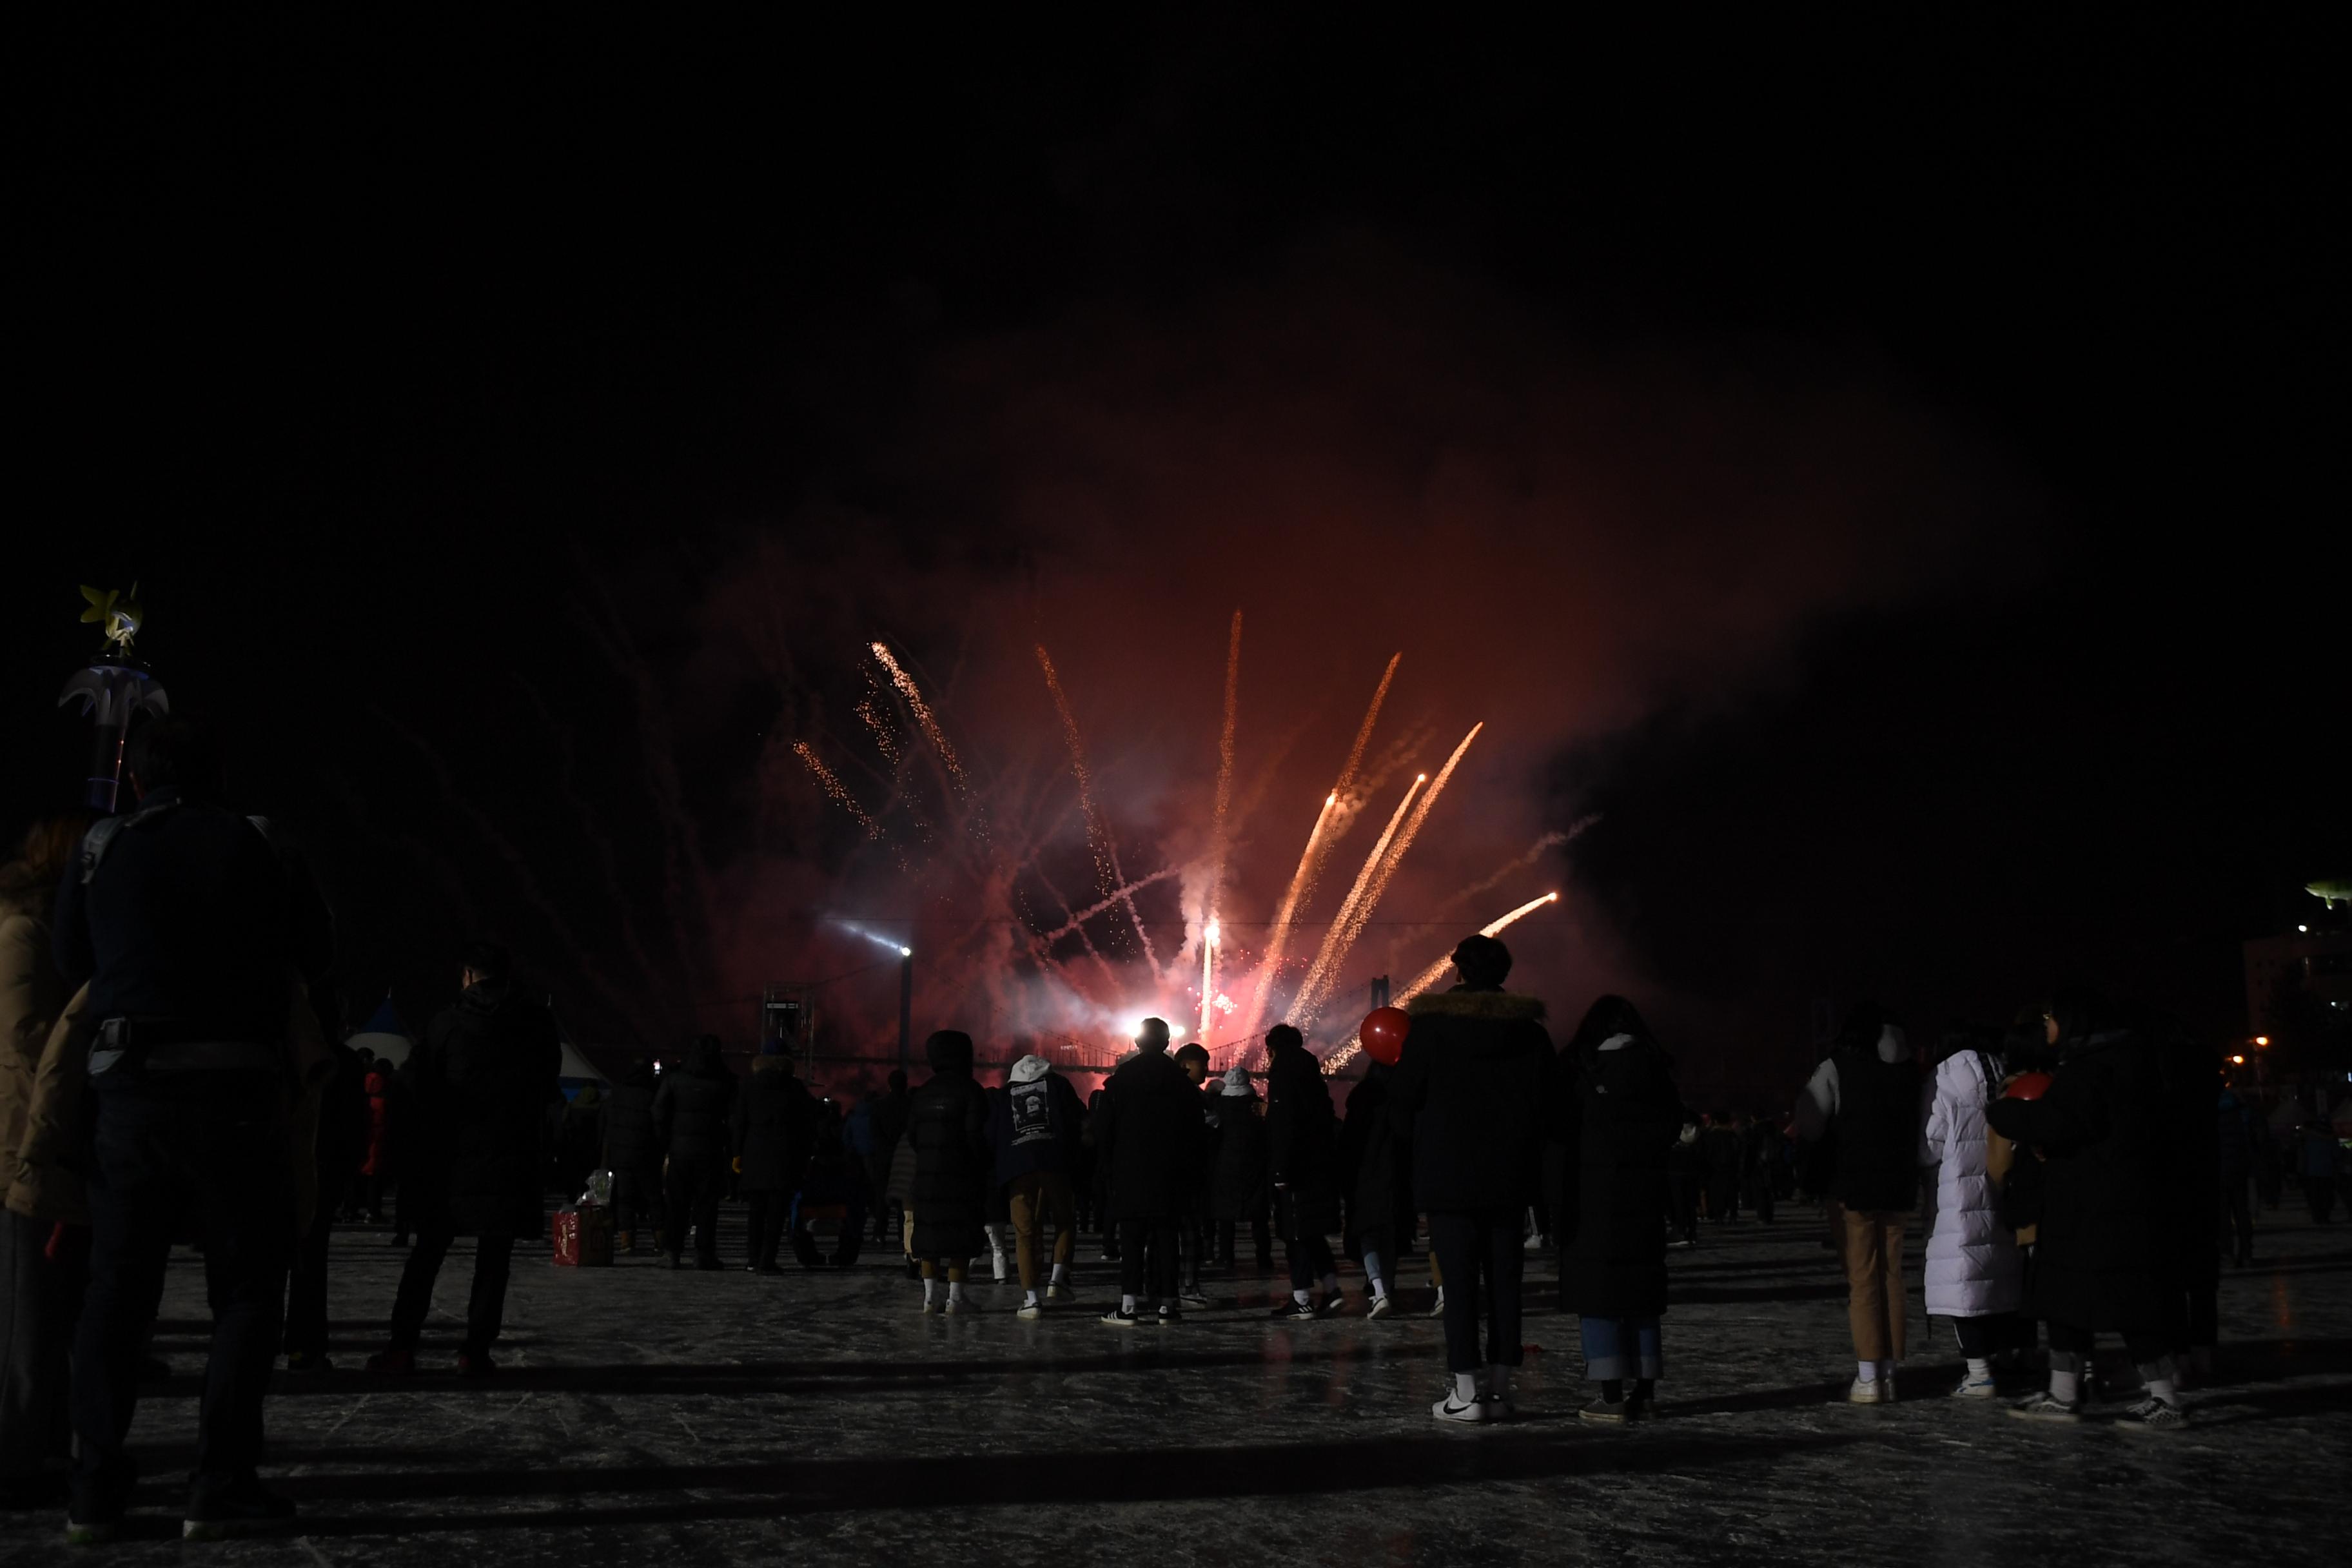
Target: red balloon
{"x": 1384, "y": 1034}
{"x": 2027, "y": 1086}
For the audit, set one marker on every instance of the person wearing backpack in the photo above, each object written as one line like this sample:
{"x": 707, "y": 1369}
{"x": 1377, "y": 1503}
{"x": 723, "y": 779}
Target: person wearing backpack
{"x": 1975, "y": 1272}
{"x": 1035, "y": 1126}
{"x": 1866, "y": 1100}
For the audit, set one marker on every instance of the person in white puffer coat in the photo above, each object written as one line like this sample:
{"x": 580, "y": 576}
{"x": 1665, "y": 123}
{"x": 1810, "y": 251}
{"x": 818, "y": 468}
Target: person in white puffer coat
{"x": 1975, "y": 1271}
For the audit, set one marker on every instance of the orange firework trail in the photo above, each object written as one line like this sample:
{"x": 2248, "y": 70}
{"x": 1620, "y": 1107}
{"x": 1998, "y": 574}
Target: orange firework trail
{"x": 1283, "y": 915}
{"x": 924, "y": 716}
{"x": 1435, "y": 973}
{"x": 836, "y": 788}
{"x": 1312, "y": 859}
{"x": 883, "y": 737}
{"x": 1111, "y": 880}
{"x": 1309, "y": 990}
{"x": 1352, "y": 921}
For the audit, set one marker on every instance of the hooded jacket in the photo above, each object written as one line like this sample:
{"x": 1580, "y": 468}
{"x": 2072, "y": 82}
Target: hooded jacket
{"x": 485, "y": 1075}
{"x": 2107, "y": 1257}
{"x": 775, "y": 1127}
{"x": 1623, "y": 1118}
{"x": 1374, "y": 1170}
{"x": 1035, "y": 1124}
{"x": 1472, "y": 1093}
{"x": 946, "y": 1126}
{"x": 1302, "y": 1144}
{"x": 1150, "y": 1133}
{"x": 1974, "y": 1267}
{"x": 693, "y": 1109}
{"x": 1239, "y": 1186}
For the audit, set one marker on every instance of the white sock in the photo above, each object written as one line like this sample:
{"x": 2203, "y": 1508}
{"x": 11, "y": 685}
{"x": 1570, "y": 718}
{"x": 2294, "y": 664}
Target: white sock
{"x": 1865, "y": 1372}
{"x": 930, "y": 1290}
{"x": 2066, "y": 1387}
{"x": 1498, "y": 1381}
{"x": 1466, "y": 1387}
{"x": 1379, "y": 1290}
{"x": 955, "y": 1289}
{"x": 1061, "y": 1274}
{"x": 1127, "y": 1305}
{"x": 2158, "y": 1376}
{"x": 1028, "y": 1298}
{"x": 1302, "y": 1297}
{"x": 1979, "y": 1368}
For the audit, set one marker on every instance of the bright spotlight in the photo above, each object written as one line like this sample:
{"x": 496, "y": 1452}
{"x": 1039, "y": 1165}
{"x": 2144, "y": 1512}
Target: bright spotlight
{"x": 906, "y": 953}
{"x": 1216, "y": 932}
{"x": 2237, "y": 1061}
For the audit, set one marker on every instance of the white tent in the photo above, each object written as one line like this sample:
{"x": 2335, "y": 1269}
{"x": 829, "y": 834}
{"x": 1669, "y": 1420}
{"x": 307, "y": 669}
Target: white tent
{"x": 383, "y": 1034}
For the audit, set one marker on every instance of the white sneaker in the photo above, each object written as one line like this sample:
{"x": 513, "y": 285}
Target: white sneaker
{"x": 930, "y": 1307}
{"x": 1439, "y": 1310}
{"x": 1030, "y": 1310}
{"x": 1380, "y": 1308}
{"x": 1974, "y": 1388}
{"x": 1446, "y": 1409}
{"x": 963, "y": 1308}
{"x": 1879, "y": 1392}
{"x": 1057, "y": 1292}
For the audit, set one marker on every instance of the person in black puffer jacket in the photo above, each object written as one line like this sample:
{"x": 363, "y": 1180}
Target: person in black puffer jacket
{"x": 1622, "y": 1117}
{"x": 1240, "y": 1188}
{"x": 692, "y": 1116}
{"x": 485, "y": 1076}
{"x": 1472, "y": 1093}
{"x": 946, "y": 1126}
{"x": 1374, "y": 1171}
{"x": 1303, "y": 1150}
{"x": 775, "y": 1126}
{"x": 1864, "y": 1100}
{"x": 1150, "y": 1127}
{"x": 633, "y": 1154}
{"x": 2108, "y": 1253}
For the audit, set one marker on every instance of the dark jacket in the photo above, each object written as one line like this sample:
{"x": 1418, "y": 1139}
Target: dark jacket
{"x": 1240, "y": 1184}
{"x": 694, "y": 1109}
{"x": 1302, "y": 1145}
{"x": 484, "y": 1077}
{"x": 1624, "y": 1117}
{"x": 1877, "y": 1133}
{"x": 631, "y": 1145}
{"x": 775, "y": 1127}
{"x": 2106, "y": 1257}
{"x": 1474, "y": 1094}
{"x": 947, "y": 1124}
{"x": 188, "y": 919}
{"x": 1151, "y": 1130}
{"x": 344, "y": 1125}
{"x": 1036, "y": 1127}
{"x": 1375, "y": 1171}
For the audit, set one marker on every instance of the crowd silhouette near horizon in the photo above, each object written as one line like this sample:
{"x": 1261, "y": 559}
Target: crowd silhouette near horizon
{"x": 177, "y": 1073}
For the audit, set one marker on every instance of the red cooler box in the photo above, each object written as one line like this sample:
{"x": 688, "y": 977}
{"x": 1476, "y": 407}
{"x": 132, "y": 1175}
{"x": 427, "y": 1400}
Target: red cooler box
{"x": 583, "y": 1237}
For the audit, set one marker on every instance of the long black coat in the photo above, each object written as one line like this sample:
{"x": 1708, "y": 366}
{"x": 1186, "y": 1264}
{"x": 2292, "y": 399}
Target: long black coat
{"x": 1239, "y": 1186}
{"x": 1474, "y": 1094}
{"x": 947, "y": 1127}
{"x": 693, "y": 1109}
{"x": 1302, "y": 1145}
{"x": 775, "y": 1128}
{"x": 1152, "y": 1133}
{"x": 484, "y": 1079}
{"x": 1623, "y": 1115}
{"x": 1374, "y": 1168}
{"x": 2109, "y": 1254}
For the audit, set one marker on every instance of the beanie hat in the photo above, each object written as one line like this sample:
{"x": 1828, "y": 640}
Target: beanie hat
{"x": 1237, "y": 1083}
{"x": 1029, "y": 1070}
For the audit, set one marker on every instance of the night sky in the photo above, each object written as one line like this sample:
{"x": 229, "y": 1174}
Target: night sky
{"x": 1884, "y": 473}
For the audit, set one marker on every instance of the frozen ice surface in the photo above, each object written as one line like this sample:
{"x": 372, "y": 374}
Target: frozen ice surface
{"x": 647, "y": 1416}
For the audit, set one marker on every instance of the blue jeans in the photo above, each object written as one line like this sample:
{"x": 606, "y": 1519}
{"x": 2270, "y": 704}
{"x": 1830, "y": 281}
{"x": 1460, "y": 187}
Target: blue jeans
{"x": 1619, "y": 1349}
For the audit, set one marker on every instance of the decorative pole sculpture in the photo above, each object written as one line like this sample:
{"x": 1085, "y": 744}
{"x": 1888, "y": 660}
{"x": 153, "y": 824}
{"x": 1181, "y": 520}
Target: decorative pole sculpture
{"x": 113, "y": 688}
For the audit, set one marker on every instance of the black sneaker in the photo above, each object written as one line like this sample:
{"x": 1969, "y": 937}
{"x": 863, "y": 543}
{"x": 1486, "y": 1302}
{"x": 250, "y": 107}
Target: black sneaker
{"x": 1296, "y": 1310}
{"x": 222, "y": 1513}
{"x": 1331, "y": 1307}
{"x": 1170, "y": 1317}
{"x": 1120, "y": 1318}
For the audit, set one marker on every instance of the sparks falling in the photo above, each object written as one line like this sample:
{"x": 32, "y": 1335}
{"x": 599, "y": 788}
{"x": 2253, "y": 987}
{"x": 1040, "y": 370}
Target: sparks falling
{"x": 1110, "y": 878}
{"x": 924, "y": 717}
{"x": 1335, "y": 945}
{"x": 836, "y": 789}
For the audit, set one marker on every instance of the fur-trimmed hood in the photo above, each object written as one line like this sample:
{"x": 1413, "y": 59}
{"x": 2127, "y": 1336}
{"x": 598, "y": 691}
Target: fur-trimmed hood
{"x": 1496, "y": 1006}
